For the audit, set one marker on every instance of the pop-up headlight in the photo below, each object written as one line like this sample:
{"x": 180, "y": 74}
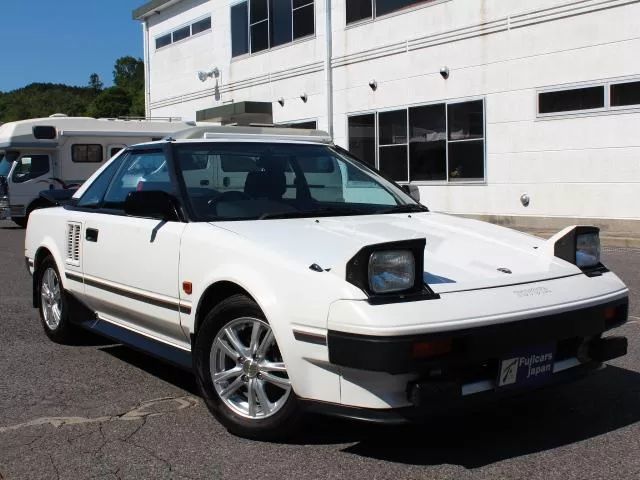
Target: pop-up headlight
{"x": 581, "y": 246}
{"x": 391, "y": 271}
{"x": 587, "y": 249}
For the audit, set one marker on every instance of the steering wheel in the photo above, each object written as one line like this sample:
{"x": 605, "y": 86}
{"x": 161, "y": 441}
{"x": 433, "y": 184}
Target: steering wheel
{"x": 230, "y": 196}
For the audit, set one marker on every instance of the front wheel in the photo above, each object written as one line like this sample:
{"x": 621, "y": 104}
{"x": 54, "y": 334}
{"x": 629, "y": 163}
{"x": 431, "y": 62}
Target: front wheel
{"x": 54, "y": 309}
{"x": 241, "y": 374}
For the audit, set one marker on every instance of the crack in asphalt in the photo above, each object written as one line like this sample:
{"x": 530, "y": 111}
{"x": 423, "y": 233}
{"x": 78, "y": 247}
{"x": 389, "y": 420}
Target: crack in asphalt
{"x": 140, "y": 412}
{"x": 53, "y": 464}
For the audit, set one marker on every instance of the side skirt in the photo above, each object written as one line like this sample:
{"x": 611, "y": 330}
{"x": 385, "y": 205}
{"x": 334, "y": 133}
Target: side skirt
{"x": 86, "y": 318}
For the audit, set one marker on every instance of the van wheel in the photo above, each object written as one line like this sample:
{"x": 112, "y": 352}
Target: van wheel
{"x": 240, "y": 372}
{"x": 20, "y": 221}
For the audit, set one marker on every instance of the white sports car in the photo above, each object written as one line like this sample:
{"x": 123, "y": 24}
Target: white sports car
{"x": 289, "y": 276}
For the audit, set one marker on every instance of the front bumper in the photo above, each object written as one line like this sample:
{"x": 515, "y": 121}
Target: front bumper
{"x": 442, "y": 398}
{"x": 468, "y": 372}
{"x": 471, "y": 346}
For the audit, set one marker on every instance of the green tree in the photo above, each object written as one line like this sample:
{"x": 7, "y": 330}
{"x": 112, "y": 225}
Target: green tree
{"x": 112, "y": 102}
{"x": 95, "y": 83}
{"x": 128, "y": 74}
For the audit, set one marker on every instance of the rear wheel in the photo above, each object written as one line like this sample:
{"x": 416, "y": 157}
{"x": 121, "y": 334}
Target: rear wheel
{"x": 241, "y": 374}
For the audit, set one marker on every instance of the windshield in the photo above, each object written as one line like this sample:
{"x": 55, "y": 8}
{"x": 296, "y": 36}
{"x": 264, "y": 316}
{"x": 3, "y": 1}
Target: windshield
{"x": 5, "y": 165}
{"x": 242, "y": 181}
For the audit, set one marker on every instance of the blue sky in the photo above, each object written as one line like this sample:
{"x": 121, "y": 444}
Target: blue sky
{"x": 64, "y": 41}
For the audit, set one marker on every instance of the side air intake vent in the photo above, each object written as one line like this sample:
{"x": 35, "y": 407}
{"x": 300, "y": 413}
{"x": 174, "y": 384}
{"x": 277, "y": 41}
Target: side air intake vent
{"x": 73, "y": 243}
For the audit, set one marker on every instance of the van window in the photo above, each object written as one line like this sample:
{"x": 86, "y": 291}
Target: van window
{"x": 30, "y": 166}
{"x": 114, "y": 150}
{"x": 86, "y": 153}
{"x": 237, "y": 163}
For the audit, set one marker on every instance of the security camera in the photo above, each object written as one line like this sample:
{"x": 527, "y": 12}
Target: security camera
{"x": 202, "y": 75}
{"x": 373, "y": 84}
{"x": 444, "y": 71}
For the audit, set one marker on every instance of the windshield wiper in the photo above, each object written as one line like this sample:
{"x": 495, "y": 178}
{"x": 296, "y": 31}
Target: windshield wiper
{"x": 320, "y": 212}
{"x": 408, "y": 208}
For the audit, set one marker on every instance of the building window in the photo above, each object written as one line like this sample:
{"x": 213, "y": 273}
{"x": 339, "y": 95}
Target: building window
{"x": 603, "y": 97}
{"x": 364, "y": 9}
{"x": 625, "y": 94}
{"x": 86, "y": 153}
{"x": 201, "y": 26}
{"x": 392, "y": 143}
{"x": 163, "y": 41}
{"x": 258, "y": 25}
{"x": 362, "y": 137}
{"x": 571, "y": 100}
{"x": 438, "y": 142}
{"x": 183, "y": 32}
{"x": 308, "y": 125}
{"x": 239, "y": 29}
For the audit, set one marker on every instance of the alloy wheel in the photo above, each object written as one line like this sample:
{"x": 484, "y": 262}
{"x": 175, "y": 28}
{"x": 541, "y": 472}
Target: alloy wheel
{"x": 51, "y": 298}
{"x": 247, "y": 369}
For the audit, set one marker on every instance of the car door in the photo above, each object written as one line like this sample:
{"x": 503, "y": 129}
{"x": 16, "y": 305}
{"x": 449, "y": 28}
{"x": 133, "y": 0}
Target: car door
{"x": 130, "y": 264}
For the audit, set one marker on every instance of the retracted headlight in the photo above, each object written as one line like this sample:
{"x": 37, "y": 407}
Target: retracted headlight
{"x": 581, "y": 246}
{"x": 392, "y": 271}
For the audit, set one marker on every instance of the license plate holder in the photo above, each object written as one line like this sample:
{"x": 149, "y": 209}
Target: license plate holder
{"x": 526, "y": 367}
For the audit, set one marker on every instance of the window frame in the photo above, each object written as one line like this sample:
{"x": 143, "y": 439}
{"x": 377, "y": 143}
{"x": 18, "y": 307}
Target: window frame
{"x": 296, "y": 123}
{"x": 190, "y": 25}
{"x": 106, "y": 171}
{"x": 446, "y": 103}
{"x": 607, "y": 109}
{"x": 269, "y": 20}
{"x": 127, "y": 160}
{"x": 87, "y": 145}
{"x": 409, "y": 8}
{"x": 30, "y": 175}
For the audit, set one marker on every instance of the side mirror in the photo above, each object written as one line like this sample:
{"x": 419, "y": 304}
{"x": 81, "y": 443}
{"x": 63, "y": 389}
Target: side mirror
{"x": 412, "y": 190}
{"x": 152, "y": 204}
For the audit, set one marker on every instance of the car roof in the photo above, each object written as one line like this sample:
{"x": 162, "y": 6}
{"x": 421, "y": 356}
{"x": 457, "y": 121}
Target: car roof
{"x": 217, "y": 133}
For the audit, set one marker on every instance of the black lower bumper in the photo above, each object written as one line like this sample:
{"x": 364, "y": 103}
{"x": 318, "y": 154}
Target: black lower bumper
{"x": 439, "y": 399}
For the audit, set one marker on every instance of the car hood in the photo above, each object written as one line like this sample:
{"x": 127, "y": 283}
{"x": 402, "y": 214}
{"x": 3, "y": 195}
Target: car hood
{"x": 460, "y": 254}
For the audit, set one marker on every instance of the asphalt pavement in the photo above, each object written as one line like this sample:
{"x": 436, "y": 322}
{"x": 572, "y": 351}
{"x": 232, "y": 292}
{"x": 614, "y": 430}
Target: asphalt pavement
{"x": 100, "y": 410}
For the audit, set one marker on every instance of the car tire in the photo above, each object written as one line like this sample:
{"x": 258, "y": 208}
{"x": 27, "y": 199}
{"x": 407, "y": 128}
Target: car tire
{"x": 251, "y": 394}
{"x": 20, "y": 221}
{"x": 53, "y": 304}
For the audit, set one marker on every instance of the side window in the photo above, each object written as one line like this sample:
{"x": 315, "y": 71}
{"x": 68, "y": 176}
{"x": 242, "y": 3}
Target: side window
{"x": 141, "y": 171}
{"x": 92, "y": 197}
{"x": 82, "y": 153}
{"x": 30, "y": 166}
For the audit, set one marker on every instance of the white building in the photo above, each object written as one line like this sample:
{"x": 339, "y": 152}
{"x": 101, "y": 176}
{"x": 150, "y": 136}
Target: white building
{"x": 478, "y": 102}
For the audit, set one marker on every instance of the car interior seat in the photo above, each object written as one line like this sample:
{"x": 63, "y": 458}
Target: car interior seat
{"x": 267, "y": 182}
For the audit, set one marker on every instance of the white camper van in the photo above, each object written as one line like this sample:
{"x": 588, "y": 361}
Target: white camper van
{"x": 60, "y": 152}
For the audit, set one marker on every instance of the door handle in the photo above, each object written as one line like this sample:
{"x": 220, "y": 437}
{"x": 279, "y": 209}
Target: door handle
{"x": 91, "y": 235}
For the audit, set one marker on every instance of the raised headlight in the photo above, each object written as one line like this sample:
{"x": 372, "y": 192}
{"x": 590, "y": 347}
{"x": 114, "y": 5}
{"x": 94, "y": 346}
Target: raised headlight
{"x": 587, "y": 249}
{"x": 391, "y": 271}
{"x": 580, "y": 245}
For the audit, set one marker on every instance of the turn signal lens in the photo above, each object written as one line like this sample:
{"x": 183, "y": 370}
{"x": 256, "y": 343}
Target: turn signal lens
{"x": 609, "y": 314}
{"x": 432, "y": 348}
